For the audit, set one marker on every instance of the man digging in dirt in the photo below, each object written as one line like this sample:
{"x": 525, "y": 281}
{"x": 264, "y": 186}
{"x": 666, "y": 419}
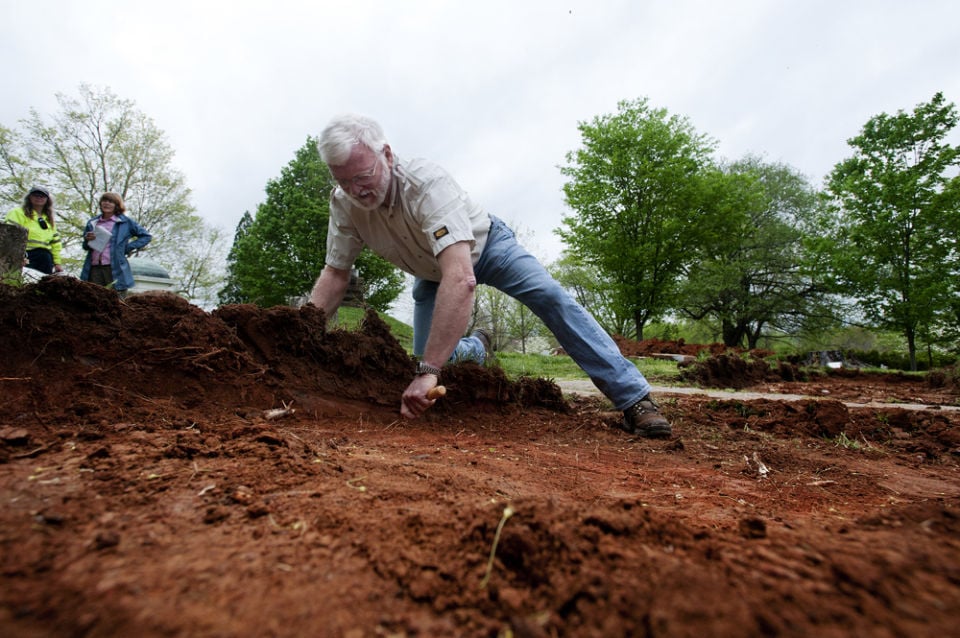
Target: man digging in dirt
{"x": 416, "y": 216}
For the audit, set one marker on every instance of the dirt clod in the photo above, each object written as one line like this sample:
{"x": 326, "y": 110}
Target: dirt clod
{"x": 145, "y": 493}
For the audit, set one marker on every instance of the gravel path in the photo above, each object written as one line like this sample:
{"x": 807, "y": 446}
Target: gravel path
{"x": 585, "y": 386}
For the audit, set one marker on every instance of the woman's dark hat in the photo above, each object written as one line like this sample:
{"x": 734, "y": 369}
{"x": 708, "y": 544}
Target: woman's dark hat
{"x": 39, "y": 189}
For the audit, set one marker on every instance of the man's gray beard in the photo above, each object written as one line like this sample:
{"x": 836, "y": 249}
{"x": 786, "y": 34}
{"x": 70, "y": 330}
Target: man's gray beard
{"x": 381, "y": 197}
{"x": 367, "y": 207}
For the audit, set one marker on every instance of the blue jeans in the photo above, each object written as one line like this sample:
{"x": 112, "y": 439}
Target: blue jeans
{"x": 508, "y": 267}
{"x": 424, "y": 299}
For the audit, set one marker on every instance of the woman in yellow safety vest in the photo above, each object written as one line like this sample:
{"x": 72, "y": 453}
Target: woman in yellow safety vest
{"x": 43, "y": 239}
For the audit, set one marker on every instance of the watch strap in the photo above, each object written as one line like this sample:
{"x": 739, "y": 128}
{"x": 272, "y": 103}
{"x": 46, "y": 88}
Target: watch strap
{"x": 426, "y": 368}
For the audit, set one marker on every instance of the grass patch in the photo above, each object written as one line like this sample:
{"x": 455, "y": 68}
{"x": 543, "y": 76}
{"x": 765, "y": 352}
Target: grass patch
{"x": 548, "y": 366}
{"x": 349, "y": 318}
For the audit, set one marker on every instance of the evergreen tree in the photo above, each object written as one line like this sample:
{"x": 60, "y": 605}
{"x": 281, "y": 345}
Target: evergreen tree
{"x": 278, "y": 255}
{"x": 231, "y": 292}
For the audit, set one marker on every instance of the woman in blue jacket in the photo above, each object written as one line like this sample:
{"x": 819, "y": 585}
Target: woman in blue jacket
{"x": 108, "y": 239}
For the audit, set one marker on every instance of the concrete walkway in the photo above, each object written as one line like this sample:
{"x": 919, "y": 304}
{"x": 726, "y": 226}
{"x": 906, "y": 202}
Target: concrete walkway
{"x": 586, "y": 387}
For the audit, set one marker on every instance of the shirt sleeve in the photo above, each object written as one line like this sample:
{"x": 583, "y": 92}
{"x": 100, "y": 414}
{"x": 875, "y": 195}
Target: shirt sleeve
{"x": 15, "y": 216}
{"x": 56, "y": 245}
{"x": 343, "y": 240}
{"x": 142, "y": 237}
{"x": 444, "y": 212}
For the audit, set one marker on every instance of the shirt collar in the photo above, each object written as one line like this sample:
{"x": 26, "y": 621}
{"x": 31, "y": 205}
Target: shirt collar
{"x": 396, "y": 179}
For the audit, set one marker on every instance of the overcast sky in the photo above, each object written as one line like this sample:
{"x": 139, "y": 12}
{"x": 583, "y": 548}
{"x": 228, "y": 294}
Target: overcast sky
{"x": 492, "y": 89}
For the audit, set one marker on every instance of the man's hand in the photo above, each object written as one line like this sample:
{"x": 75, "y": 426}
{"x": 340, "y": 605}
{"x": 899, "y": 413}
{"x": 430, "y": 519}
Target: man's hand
{"x": 414, "y": 401}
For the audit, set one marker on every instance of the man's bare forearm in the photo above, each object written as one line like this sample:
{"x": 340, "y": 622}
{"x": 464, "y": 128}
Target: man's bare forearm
{"x": 329, "y": 290}
{"x": 451, "y": 314}
{"x": 454, "y": 303}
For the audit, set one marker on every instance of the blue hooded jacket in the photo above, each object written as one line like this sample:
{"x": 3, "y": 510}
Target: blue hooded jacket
{"x": 120, "y": 246}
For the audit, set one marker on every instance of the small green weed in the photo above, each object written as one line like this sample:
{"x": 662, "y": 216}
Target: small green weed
{"x": 844, "y": 441}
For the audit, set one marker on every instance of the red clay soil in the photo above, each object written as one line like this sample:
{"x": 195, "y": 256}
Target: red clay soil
{"x": 631, "y": 348}
{"x": 170, "y": 472}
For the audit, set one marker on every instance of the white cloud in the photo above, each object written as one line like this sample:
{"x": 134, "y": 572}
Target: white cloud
{"x": 492, "y": 90}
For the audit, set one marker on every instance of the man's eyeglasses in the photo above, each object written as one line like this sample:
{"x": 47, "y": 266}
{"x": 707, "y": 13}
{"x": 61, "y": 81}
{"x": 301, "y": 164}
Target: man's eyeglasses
{"x": 42, "y": 222}
{"x": 361, "y": 179}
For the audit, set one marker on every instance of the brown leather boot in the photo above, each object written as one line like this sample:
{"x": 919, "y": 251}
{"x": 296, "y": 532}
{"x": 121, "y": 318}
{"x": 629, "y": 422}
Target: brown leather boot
{"x": 643, "y": 418}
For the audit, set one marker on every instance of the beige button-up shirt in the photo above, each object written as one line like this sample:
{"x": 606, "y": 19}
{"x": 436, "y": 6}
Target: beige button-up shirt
{"x": 426, "y": 212}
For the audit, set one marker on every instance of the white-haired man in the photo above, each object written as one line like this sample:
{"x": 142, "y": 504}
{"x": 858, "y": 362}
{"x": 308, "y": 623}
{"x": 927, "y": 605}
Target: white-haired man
{"x": 416, "y": 216}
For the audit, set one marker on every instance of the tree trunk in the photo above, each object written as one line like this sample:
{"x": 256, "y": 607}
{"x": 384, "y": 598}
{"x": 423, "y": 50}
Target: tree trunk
{"x": 13, "y": 244}
{"x": 638, "y": 321}
{"x": 912, "y": 346}
{"x": 753, "y": 335}
{"x": 732, "y": 334}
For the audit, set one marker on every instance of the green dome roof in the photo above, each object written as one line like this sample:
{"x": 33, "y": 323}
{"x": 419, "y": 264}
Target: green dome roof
{"x": 147, "y": 268}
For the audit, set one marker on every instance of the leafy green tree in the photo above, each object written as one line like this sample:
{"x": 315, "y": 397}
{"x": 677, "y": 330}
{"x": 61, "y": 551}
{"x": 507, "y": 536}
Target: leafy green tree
{"x": 201, "y": 267}
{"x": 522, "y": 325}
{"x": 380, "y": 280}
{"x": 96, "y": 143}
{"x": 591, "y": 293}
{"x": 490, "y": 312}
{"x": 231, "y": 293}
{"x": 749, "y": 271}
{"x": 950, "y": 320}
{"x": 16, "y": 175}
{"x": 511, "y": 323}
{"x": 635, "y": 191}
{"x": 894, "y": 220}
{"x": 278, "y": 255}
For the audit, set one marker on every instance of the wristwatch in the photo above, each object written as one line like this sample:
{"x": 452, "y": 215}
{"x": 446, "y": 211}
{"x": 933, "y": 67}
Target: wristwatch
{"x": 425, "y": 368}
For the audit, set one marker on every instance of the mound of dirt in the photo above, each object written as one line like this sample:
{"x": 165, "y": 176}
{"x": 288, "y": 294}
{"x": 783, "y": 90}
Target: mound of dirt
{"x": 647, "y": 347}
{"x": 729, "y": 370}
{"x": 735, "y": 371}
{"x": 66, "y": 338}
{"x": 651, "y": 347}
{"x": 245, "y": 472}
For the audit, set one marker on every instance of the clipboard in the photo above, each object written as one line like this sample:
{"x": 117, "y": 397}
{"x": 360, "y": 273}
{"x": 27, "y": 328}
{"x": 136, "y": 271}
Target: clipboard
{"x": 101, "y": 240}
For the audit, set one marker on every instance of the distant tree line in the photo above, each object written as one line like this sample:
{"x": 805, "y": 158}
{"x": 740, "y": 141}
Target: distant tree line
{"x": 658, "y": 231}
{"x": 98, "y": 143}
